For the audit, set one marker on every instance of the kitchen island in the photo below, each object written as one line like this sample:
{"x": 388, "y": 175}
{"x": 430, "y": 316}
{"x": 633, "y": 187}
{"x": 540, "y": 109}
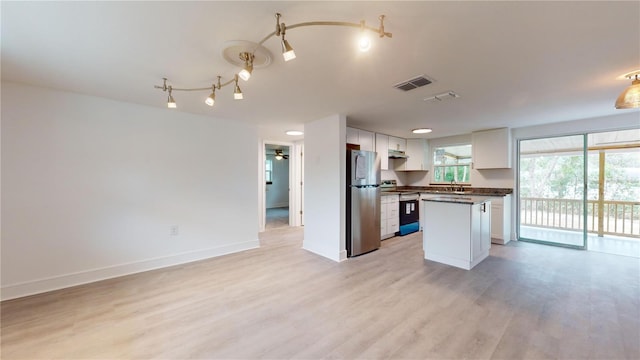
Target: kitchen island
{"x": 457, "y": 229}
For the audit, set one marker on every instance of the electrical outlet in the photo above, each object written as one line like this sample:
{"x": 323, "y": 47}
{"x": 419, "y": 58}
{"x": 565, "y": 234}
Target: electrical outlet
{"x": 174, "y": 230}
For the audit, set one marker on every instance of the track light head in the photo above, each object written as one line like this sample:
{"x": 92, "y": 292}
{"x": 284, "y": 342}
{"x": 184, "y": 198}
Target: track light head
{"x": 245, "y": 73}
{"x": 171, "y": 103}
{"x": 212, "y": 98}
{"x": 237, "y": 93}
{"x": 364, "y": 43}
{"x": 287, "y": 50}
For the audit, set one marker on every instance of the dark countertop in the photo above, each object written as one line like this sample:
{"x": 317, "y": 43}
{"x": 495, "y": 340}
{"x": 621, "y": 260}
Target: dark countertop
{"x": 444, "y": 190}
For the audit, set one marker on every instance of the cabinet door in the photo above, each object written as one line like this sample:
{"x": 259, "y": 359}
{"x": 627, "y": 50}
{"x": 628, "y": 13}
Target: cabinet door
{"x": 497, "y": 221}
{"x": 366, "y": 140}
{"x": 417, "y": 150}
{"x": 352, "y": 136}
{"x": 396, "y": 143}
{"x": 382, "y": 148}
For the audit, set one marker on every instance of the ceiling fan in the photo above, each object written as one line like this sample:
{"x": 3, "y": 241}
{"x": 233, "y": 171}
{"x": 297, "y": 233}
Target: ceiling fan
{"x": 280, "y": 155}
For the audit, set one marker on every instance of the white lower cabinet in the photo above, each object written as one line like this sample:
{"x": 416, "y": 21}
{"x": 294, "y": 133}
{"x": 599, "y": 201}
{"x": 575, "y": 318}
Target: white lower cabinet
{"x": 389, "y": 215}
{"x": 501, "y": 219}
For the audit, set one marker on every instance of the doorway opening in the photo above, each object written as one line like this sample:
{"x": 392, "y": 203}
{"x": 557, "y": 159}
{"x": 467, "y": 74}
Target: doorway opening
{"x": 276, "y": 175}
{"x": 581, "y": 191}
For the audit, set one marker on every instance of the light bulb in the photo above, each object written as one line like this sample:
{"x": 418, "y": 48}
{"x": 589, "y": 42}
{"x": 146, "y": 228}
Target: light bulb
{"x": 244, "y": 74}
{"x": 364, "y": 44}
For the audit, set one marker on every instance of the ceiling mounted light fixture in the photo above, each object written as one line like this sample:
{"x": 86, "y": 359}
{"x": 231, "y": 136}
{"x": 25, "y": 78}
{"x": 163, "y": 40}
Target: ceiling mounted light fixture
{"x": 294, "y": 132}
{"x": 421, "y": 131}
{"x": 248, "y": 55}
{"x": 630, "y": 97}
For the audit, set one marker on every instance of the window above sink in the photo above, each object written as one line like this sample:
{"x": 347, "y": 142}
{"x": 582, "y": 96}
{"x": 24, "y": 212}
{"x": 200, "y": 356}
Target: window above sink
{"x": 452, "y": 164}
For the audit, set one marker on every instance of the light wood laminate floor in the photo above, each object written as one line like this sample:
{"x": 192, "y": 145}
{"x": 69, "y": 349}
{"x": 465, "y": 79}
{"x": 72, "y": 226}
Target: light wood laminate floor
{"x": 279, "y": 301}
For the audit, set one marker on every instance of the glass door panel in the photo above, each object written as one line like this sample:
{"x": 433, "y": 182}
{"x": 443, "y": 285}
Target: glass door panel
{"x": 551, "y": 182}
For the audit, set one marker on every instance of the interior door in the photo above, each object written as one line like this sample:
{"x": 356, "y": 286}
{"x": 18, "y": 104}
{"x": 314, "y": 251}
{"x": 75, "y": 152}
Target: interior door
{"x": 551, "y": 190}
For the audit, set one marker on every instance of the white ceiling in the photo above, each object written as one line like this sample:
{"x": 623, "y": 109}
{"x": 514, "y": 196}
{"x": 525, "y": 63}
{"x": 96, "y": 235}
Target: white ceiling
{"x": 513, "y": 63}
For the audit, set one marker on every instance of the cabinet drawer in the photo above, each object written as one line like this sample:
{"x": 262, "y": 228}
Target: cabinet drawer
{"x": 393, "y": 199}
{"x": 393, "y": 225}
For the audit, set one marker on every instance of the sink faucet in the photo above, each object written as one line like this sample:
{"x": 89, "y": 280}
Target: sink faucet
{"x": 453, "y": 185}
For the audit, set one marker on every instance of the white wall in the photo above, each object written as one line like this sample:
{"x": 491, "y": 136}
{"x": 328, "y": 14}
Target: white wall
{"x": 277, "y": 193}
{"x": 324, "y": 187}
{"x": 91, "y": 187}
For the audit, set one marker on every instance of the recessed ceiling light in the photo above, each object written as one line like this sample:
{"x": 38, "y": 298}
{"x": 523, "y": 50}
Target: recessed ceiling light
{"x": 421, "y": 131}
{"x": 294, "y": 132}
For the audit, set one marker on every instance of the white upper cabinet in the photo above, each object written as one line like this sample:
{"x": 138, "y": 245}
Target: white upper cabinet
{"x": 352, "y": 136}
{"x": 382, "y": 148}
{"x": 398, "y": 144}
{"x": 366, "y": 139}
{"x": 491, "y": 149}
{"x": 418, "y": 156}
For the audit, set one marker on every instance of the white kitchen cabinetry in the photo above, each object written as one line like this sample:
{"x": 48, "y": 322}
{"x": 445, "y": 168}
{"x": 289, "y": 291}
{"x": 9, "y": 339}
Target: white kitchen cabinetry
{"x": 501, "y": 219}
{"x": 366, "y": 139}
{"x": 398, "y": 144}
{"x": 418, "y": 156}
{"x": 382, "y": 148}
{"x": 389, "y": 215}
{"x": 457, "y": 234}
{"x": 491, "y": 149}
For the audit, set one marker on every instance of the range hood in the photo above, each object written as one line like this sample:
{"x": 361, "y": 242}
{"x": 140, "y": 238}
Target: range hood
{"x": 397, "y": 154}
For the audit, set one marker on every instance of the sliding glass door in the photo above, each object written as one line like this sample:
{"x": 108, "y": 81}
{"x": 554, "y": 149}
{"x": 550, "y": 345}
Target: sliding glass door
{"x": 552, "y": 196}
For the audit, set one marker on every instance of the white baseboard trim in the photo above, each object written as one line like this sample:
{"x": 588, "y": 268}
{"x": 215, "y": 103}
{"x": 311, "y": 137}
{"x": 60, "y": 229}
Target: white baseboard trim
{"x": 328, "y": 256}
{"x": 343, "y": 255}
{"x": 13, "y": 291}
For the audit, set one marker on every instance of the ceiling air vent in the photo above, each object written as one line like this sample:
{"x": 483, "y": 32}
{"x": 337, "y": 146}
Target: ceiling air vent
{"x": 443, "y": 96}
{"x": 414, "y": 83}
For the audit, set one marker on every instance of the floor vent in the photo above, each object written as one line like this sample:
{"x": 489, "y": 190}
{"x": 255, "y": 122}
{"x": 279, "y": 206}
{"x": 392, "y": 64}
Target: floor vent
{"x": 414, "y": 83}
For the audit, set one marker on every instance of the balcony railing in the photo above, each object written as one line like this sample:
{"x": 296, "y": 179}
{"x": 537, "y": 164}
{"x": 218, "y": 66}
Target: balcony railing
{"x": 621, "y": 218}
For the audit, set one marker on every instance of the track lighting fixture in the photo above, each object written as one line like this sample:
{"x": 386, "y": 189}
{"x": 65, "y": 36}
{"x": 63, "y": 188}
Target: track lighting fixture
{"x": 247, "y": 56}
{"x": 630, "y": 97}
{"x": 245, "y": 73}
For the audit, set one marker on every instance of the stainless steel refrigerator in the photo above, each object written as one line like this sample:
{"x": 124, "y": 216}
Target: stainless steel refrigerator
{"x": 363, "y": 202}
